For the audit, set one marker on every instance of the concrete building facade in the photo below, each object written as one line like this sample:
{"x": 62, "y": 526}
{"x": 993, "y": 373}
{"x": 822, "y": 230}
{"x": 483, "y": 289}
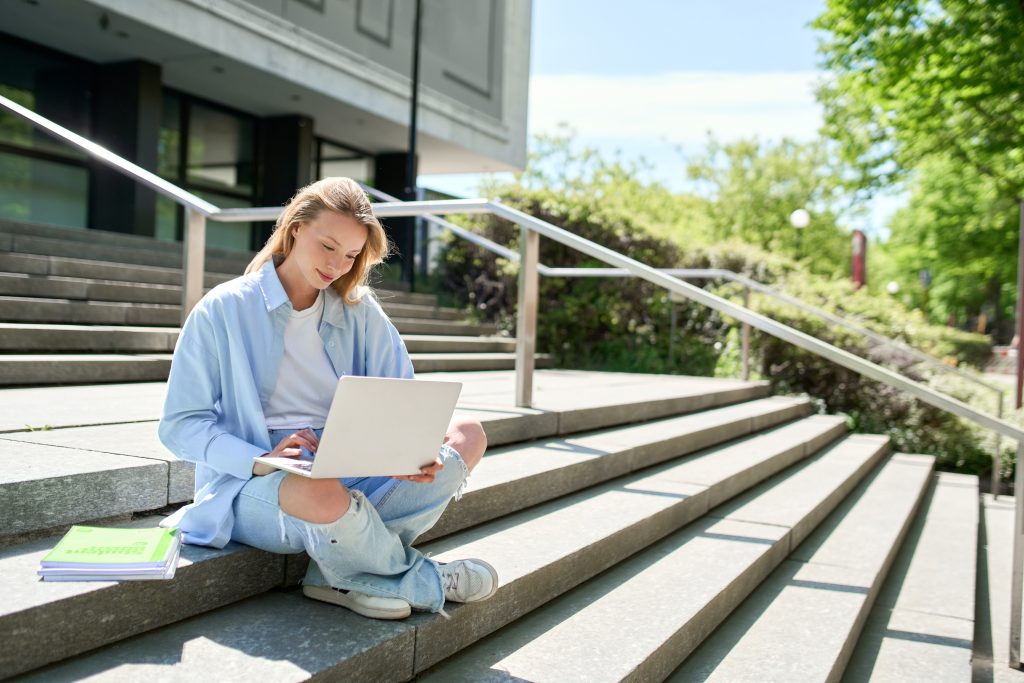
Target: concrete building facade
{"x": 243, "y": 101}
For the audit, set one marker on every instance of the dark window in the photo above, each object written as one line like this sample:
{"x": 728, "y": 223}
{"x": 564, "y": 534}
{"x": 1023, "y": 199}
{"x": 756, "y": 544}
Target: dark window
{"x": 208, "y": 150}
{"x": 42, "y": 179}
{"x": 337, "y": 160}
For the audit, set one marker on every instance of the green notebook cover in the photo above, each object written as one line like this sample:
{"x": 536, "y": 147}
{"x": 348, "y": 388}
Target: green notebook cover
{"x": 87, "y": 546}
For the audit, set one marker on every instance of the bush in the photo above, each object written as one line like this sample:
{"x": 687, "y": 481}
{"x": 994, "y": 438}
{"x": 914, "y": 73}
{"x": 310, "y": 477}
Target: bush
{"x": 873, "y": 407}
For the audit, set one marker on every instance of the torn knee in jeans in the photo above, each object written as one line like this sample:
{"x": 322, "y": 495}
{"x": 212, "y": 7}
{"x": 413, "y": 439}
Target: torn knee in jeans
{"x": 447, "y": 455}
{"x": 314, "y": 533}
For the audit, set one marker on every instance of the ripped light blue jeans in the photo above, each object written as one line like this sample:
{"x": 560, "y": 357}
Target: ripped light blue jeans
{"x": 368, "y": 548}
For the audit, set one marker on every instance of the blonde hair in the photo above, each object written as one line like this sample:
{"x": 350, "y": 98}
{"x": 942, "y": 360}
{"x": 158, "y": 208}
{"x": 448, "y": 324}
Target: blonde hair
{"x": 343, "y": 196}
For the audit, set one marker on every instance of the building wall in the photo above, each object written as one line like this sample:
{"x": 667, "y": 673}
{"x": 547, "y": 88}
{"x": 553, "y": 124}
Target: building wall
{"x": 348, "y": 66}
{"x": 241, "y": 101}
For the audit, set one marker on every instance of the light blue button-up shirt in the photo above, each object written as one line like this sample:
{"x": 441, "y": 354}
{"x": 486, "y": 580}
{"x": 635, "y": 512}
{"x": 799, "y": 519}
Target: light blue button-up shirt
{"x": 224, "y": 369}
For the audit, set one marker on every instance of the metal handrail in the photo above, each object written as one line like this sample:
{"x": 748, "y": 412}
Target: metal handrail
{"x": 147, "y": 178}
{"x": 197, "y": 211}
{"x": 699, "y": 274}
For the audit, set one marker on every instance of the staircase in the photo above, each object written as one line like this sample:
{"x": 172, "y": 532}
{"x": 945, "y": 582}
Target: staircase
{"x": 86, "y": 306}
{"x": 644, "y": 527}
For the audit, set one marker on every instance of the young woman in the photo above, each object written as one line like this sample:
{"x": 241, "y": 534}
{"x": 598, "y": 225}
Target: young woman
{"x": 254, "y": 372}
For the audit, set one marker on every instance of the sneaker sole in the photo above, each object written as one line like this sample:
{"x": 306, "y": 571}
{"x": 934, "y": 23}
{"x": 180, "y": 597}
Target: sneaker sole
{"x": 326, "y": 594}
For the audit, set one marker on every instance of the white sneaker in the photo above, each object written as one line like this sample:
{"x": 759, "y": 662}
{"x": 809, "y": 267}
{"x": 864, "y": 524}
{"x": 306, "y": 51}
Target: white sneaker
{"x": 468, "y": 580}
{"x": 360, "y": 603}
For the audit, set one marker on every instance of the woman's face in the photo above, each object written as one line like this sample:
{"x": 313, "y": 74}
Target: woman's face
{"x": 326, "y": 247}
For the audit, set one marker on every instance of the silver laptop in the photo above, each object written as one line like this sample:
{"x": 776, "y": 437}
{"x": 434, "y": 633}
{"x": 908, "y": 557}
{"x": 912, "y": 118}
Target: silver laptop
{"x": 379, "y": 427}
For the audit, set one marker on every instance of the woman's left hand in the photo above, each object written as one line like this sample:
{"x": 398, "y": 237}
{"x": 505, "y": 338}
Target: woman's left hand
{"x": 427, "y": 473}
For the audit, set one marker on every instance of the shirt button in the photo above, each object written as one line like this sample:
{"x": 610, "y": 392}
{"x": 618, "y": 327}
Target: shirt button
{"x": 330, "y": 344}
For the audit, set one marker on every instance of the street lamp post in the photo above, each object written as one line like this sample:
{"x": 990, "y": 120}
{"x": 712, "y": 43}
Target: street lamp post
{"x": 800, "y": 219}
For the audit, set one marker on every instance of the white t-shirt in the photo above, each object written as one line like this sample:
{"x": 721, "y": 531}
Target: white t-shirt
{"x": 306, "y": 381}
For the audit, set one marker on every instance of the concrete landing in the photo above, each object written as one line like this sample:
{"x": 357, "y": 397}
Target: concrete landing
{"x": 484, "y": 393}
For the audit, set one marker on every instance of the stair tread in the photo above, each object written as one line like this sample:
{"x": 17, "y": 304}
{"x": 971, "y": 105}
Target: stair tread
{"x": 131, "y": 273}
{"x": 71, "y": 327}
{"x": 559, "y": 466}
{"x": 82, "y": 357}
{"x": 923, "y": 620}
{"x": 78, "y": 302}
{"x": 550, "y": 532}
{"x": 562, "y": 398}
{"x": 394, "y": 309}
{"x": 802, "y": 622}
{"x": 669, "y": 596}
{"x": 509, "y": 477}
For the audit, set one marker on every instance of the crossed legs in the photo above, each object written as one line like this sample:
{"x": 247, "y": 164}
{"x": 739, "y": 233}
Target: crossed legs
{"x": 359, "y": 538}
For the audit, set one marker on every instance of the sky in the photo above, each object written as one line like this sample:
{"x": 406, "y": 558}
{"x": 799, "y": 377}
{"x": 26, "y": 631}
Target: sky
{"x": 650, "y": 78}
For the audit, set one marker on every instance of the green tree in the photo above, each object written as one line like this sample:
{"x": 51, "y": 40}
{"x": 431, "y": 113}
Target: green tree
{"x": 751, "y": 188}
{"x": 961, "y": 228}
{"x": 571, "y": 179}
{"x": 914, "y": 78}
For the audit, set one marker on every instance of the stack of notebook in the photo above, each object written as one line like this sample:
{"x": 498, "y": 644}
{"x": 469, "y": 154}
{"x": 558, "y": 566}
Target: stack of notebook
{"x": 103, "y": 554}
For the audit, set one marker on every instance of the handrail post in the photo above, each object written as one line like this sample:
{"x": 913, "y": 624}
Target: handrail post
{"x": 997, "y": 459}
{"x": 745, "y": 337}
{"x": 526, "y": 315}
{"x": 1018, "y": 559}
{"x": 672, "y": 321}
{"x": 193, "y": 261}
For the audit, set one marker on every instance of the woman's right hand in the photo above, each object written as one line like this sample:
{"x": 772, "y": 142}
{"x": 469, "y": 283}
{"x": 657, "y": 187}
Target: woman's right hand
{"x": 289, "y": 447}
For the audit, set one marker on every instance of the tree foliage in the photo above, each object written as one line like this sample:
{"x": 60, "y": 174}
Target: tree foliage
{"x": 567, "y": 178}
{"x": 916, "y": 78}
{"x": 752, "y": 187}
{"x": 960, "y": 227}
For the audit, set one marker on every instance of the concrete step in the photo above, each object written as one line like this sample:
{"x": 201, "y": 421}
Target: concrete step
{"x": 59, "y": 266}
{"x": 47, "y": 337}
{"x": 54, "y": 478}
{"x": 441, "y": 343}
{"x": 217, "y": 261}
{"x": 71, "y": 311}
{"x": 565, "y": 402}
{"x": 65, "y": 311}
{"x": 100, "y": 245}
{"x": 539, "y": 552}
{"x": 443, "y": 327}
{"x": 547, "y": 550}
{"x": 99, "y": 368}
{"x": 664, "y": 600}
{"x": 803, "y": 622}
{"x": 84, "y": 289}
{"x": 524, "y": 475}
{"x": 107, "y": 238}
{"x": 65, "y": 266}
{"x": 96, "y": 368}
{"x": 922, "y": 625}
{"x": 460, "y": 362}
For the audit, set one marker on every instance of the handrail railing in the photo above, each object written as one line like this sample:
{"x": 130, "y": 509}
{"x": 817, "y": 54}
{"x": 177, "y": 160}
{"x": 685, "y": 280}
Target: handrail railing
{"x": 700, "y": 274}
{"x": 531, "y": 230}
{"x": 748, "y": 284}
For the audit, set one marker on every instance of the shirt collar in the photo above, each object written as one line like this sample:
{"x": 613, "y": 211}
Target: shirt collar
{"x": 273, "y": 291}
{"x": 275, "y": 296}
